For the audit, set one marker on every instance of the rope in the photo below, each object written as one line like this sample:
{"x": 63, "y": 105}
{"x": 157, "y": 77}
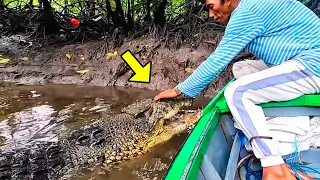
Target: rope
{"x": 250, "y": 172}
{"x": 298, "y": 166}
{"x": 293, "y": 158}
{"x": 243, "y": 138}
{"x": 247, "y": 164}
{"x": 291, "y": 161}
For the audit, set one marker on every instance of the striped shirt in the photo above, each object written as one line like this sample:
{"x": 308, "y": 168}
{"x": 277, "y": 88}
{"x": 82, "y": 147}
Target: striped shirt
{"x": 272, "y": 30}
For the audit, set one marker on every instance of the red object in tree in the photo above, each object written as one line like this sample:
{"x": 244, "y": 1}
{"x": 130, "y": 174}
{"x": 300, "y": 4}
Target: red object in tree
{"x": 74, "y": 22}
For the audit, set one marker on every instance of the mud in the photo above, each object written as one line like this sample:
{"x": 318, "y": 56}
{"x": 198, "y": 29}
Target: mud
{"x": 31, "y": 63}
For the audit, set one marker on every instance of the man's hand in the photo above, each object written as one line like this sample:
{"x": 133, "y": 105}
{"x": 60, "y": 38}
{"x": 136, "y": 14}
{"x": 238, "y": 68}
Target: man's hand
{"x": 170, "y": 93}
{"x": 282, "y": 172}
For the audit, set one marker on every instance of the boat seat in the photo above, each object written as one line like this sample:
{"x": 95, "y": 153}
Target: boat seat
{"x": 233, "y": 159}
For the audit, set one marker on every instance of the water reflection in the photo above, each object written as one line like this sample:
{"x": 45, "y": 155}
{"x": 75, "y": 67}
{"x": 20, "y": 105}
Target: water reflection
{"x": 25, "y": 126}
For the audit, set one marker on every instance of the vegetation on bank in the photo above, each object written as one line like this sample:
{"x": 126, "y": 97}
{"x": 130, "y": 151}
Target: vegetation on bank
{"x": 174, "y": 21}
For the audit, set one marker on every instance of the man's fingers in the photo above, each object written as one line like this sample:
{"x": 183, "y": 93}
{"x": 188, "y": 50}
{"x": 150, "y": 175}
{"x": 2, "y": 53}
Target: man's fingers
{"x": 159, "y": 96}
{"x": 165, "y": 94}
{"x": 302, "y": 175}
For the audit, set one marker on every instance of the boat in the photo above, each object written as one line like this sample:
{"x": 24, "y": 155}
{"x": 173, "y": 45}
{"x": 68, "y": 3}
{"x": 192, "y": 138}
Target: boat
{"x": 213, "y": 149}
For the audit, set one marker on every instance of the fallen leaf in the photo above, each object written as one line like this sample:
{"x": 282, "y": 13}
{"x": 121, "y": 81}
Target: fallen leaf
{"x": 81, "y": 57}
{"x": 68, "y": 56}
{"x": 4, "y": 60}
{"x": 25, "y": 59}
{"x": 196, "y": 35}
{"x": 112, "y": 54}
{"x": 82, "y": 71}
{"x": 189, "y": 70}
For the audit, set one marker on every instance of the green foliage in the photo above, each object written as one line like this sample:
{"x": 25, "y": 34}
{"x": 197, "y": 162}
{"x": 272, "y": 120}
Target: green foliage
{"x": 175, "y": 8}
{"x": 74, "y": 7}
{"x": 15, "y": 3}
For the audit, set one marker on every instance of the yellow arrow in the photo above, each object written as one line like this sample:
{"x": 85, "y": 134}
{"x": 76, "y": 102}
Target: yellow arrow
{"x": 142, "y": 74}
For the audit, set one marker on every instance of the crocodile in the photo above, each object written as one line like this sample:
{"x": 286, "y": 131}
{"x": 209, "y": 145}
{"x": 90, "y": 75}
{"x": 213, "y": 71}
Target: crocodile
{"x": 108, "y": 140}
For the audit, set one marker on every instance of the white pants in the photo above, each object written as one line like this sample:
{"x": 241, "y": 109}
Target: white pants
{"x": 255, "y": 84}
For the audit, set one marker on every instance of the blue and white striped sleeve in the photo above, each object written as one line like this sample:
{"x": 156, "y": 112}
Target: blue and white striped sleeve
{"x": 243, "y": 27}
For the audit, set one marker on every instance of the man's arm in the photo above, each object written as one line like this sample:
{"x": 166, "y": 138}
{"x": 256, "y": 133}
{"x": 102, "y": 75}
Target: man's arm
{"x": 243, "y": 26}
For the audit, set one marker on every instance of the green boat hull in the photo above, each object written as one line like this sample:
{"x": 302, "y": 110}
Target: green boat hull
{"x": 212, "y": 149}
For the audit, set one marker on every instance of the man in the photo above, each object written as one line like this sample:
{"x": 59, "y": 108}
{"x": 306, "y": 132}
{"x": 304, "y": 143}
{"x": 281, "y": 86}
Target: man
{"x": 285, "y": 35}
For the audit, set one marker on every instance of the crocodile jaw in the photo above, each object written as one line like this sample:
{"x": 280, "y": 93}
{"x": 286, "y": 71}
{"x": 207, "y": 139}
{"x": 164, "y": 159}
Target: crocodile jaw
{"x": 174, "y": 128}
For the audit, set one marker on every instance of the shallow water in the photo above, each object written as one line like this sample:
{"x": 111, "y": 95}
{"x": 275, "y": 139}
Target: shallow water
{"x": 27, "y": 113}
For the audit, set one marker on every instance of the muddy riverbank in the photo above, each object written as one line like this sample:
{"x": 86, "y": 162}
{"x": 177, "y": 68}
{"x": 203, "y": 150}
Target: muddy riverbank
{"x": 34, "y": 64}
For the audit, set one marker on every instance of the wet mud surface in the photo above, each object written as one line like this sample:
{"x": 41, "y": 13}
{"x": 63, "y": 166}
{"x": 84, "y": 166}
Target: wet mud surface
{"x": 35, "y": 64}
{"x": 34, "y": 113}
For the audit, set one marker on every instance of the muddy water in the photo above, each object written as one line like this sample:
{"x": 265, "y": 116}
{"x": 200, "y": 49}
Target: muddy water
{"x": 28, "y": 113}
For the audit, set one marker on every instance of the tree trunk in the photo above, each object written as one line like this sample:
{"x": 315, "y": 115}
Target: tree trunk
{"x": 66, "y": 5}
{"x": 110, "y": 13}
{"x": 129, "y": 17}
{"x": 90, "y": 7}
{"x": 50, "y": 23}
{"x": 148, "y": 16}
{"x": 119, "y": 10}
{"x": 132, "y": 9}
{"x": 159, "y": 14}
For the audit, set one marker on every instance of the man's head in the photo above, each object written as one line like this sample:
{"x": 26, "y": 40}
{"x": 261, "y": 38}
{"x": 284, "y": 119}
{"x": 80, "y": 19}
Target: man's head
{"x": 220, "y": 10}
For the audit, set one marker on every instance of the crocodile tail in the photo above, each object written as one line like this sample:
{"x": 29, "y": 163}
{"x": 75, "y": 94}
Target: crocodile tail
{"x": 44, "y": 161}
